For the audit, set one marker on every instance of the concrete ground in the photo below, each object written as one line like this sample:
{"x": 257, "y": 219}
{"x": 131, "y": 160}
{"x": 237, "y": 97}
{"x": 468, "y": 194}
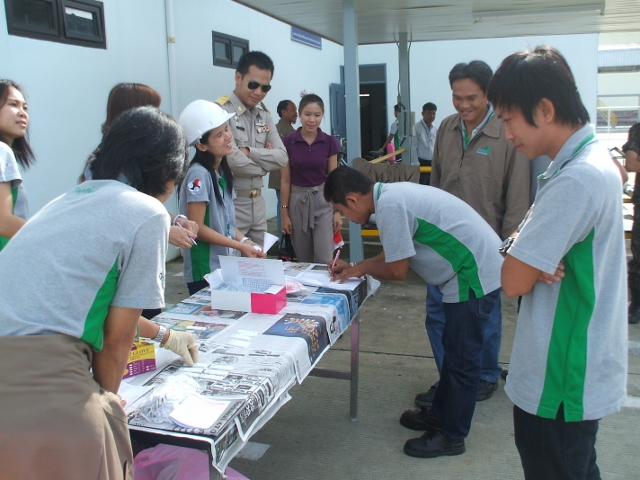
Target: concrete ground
{"x": 311, "y": 437}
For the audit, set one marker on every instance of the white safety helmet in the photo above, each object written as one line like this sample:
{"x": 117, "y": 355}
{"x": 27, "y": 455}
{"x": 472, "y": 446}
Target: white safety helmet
{"x": 199, "y": 117}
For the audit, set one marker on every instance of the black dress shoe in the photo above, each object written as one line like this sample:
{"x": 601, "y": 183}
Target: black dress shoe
{"x": 433, "y": 444}
{"x": 421, "y": 419}
{"x": 425, "y": 399}
{"x": 486, "y": 389}
{"x": 634, "y": 313}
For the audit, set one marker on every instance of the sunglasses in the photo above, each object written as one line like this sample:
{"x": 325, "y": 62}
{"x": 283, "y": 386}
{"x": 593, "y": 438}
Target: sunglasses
{"x": 253, "y": 85}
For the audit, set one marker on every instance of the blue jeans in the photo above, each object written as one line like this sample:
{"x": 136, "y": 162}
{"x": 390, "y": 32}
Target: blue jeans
{"x": 553, "y": 448}
{"x": 462, "y": 339}
{"x": 490, "y": 369}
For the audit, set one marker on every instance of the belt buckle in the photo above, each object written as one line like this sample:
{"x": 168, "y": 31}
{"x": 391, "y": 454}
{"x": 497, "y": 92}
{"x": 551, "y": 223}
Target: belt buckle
{"x": 253, "y": 193}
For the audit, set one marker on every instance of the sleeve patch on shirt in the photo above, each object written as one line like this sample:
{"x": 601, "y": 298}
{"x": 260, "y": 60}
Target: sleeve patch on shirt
{"x": 195, "y": 185}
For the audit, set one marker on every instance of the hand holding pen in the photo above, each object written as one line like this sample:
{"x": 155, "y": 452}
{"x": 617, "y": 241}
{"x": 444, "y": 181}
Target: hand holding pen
{"x": 335, "y": 260}
{"x": 180, "y": 235}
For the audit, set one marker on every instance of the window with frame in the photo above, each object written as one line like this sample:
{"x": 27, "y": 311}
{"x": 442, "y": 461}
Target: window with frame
{"x": 76, "y": 22}
{"x": 227, "y": 50}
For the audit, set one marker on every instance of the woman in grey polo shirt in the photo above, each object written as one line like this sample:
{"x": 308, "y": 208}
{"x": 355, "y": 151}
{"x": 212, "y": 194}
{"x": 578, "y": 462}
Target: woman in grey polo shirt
{"x": 98, "y": 253}
{"x": 14, "y": 151}
{"x": 206, "y": 194}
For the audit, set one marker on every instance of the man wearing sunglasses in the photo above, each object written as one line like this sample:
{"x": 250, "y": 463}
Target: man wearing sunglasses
{"x": 258, "y": 148}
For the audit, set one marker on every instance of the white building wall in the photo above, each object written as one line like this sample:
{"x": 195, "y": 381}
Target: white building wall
{"x": 298, "y": 67}
{"x": 67, "y": 86}
{"x": 432, "y": 61}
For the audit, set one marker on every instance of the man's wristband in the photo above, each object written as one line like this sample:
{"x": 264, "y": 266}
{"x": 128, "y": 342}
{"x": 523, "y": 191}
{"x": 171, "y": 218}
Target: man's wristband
{"x": 352, "y": 264}
{"x": 505, "y": 246}
{"x": 175, "y": 219}
{"x": 244, "y": 239}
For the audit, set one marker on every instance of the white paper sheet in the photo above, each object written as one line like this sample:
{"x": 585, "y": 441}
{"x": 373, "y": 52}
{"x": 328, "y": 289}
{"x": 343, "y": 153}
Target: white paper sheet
{"x": 269, "y": 241}
{"x": 197, "y": 411}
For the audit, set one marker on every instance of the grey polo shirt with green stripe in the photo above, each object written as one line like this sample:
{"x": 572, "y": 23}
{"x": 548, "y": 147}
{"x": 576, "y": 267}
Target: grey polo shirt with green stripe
{"x": 447, "y": 243}
{"x": 570, "y": 345}
{"x": 10, "y": 173}
{"x": 203, "y": 257}
{"x": 102, "y": 244}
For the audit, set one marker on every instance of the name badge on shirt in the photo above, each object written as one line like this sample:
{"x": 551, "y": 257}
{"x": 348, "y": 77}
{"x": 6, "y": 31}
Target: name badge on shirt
{"x": 484, "y": 151}
{"x": 238, "y": 124}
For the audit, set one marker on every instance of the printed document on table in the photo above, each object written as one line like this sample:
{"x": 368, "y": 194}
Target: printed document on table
{"x": 317, "y": 275}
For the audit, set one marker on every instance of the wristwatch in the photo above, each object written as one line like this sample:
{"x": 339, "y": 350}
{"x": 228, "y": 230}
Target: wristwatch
{"x": 161, "y": 333}
{"x": 505, "y": 246}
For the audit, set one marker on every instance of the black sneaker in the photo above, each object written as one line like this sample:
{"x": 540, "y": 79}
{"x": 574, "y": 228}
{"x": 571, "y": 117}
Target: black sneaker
{"x": 425, "y": 400}
{"x": 433, "y": 444}
{"x": 634, "y": 313}
{"x": 421, "y": 419}
{"x": 486, "y": 389}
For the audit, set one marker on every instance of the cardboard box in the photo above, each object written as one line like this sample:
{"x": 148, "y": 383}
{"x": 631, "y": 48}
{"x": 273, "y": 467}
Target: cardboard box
{"x": 263, "y": 282}
{"x": 142, "y": 359}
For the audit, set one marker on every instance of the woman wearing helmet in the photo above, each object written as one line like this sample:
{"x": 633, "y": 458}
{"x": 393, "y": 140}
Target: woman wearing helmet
{"x": 206, "y": 194}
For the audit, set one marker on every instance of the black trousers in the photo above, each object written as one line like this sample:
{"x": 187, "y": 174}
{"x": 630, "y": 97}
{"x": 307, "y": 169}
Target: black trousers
{"x": 634, "y": 263}
{"x": 425, "y": 178}
{"x": 195, "y": 287}
{"x": 552, "y": 449}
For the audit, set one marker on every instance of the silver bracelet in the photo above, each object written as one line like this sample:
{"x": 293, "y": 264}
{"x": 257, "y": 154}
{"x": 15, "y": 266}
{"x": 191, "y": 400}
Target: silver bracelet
{"x": 245, "y": 239}
{"x": 161, "y": 333}
{"x": 352, "y": 264}
{"x": 175, "y": 219}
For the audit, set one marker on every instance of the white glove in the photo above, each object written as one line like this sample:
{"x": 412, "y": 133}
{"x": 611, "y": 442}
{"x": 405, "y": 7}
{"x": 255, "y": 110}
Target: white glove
{"x": 184, "y": 344}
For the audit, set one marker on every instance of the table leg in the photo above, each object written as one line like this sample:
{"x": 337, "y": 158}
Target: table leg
{"x": 355, "y": 365}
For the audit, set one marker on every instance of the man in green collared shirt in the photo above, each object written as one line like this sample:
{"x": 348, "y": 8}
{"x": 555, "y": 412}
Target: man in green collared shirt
{"x": 568, "y": 364}
{"x": 473, "y": 161}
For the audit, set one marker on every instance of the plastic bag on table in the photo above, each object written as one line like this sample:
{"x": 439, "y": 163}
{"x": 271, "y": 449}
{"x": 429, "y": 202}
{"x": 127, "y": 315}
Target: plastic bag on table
{"x": 161, "y": 401}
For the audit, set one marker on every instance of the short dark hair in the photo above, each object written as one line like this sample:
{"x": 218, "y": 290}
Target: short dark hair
{"x": 125, "y": 96}
{"x": 525, "y": 78}
{"x": 20, "y": 146}
{"x": 429, "y": 106}
{"x": 397, "y": 107}
{"x": 343, "y": 181}
{"x": 478, "y": 71}
{"x": 145, "y": 145}
{"x": 283, "y": 105}
{"x": 259, "y": 59}
{"x": 633, "y": 139}
{"x": 310, "y": 98}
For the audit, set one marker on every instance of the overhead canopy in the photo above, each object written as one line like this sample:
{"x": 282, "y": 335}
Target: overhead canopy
{"x": 381, "y": 21}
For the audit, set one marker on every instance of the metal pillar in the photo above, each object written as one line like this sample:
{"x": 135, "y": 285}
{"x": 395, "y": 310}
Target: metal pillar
{"x": 404, "y": 98}
{"x": 352, "y": 101}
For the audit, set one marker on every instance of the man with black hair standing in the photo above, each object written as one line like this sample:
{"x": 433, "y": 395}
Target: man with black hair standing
{"x": 447, "y": 243}
{"x": 473, "y": 161}
{"x": 569, "y": 360}
{"x": 288, "y": 115}
{"x": 258, "y": 149}
{"x": 422, "y": 148}
{"x": 631, "y": 151}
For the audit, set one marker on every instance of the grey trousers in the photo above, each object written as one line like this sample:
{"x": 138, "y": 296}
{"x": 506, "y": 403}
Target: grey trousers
{"x": 312, "y": 219}
{"x": 251, "y": 217}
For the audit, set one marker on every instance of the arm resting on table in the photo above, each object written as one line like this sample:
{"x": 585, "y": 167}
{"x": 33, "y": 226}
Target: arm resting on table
{"x": 119, "y": 333}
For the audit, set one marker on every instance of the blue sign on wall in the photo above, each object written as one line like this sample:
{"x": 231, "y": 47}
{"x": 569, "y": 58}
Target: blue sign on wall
{"x": 298, "y": 35}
